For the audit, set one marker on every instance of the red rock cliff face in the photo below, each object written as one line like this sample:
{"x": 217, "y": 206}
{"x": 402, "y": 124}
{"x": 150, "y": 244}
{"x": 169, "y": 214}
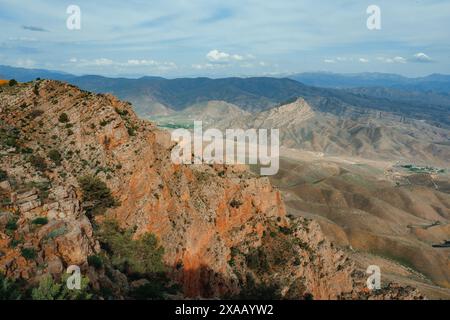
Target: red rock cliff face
{"x": 197, "y": 214}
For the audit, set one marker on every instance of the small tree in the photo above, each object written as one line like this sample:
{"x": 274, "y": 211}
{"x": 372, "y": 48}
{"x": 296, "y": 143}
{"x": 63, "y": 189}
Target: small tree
{"x": 142, "y": 256}
{"x": 95, "y": 261}
{"x": 29, "y": 253}
{"x": 40, "y": 221}
{"x": 55, "y": 156}
{"x": 38, "y": 163}
{"x": 97, "y": 192}
{"x": 3, "y": 175}
{"x": 63, "y": 118}
{"x": 12, "y": 82}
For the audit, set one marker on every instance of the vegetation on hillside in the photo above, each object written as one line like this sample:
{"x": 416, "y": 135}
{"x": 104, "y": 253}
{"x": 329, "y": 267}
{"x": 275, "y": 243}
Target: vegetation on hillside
{"x": 97, "y": 194}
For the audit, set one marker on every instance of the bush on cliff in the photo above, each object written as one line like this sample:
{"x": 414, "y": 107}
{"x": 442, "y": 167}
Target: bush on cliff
{"x": 38, "y": 163}
{"x": 63, "y": 118}
{"x": 55, "y": 156}
{"x": 97, "y": 193}
{"x": 9, "y": 290}
{"x": 141, "y": 256}
{"x": 3, "y": 175}
{"x": 48, "y": 289}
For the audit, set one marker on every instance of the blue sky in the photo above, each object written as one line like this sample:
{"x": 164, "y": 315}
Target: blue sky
{"x": 174, "y": 38}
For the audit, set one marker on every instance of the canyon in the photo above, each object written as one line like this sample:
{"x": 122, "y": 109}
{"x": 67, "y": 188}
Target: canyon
{"x": 224, "y": 230}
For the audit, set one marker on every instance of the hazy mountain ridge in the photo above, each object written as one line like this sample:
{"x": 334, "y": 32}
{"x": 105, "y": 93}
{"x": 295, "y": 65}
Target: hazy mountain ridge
{"x": 156, "y": 95}
{"x": 434, "y": 82}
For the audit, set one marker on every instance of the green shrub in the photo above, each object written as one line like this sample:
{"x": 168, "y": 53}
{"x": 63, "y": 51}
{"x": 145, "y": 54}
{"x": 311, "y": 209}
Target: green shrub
{"x": 55, "y": 156}
{"x": 95, "y": 261}
{"x": 131, "y": 131}
{"x": 40, "y": 221}
{"x": 11, "y": 225}
{"x": 35, "y": 113}
{"x": 235, "y": 203}
{"x": 48, "y": 289}
{"x": 122, "y": 113}
{"x": 15, "y": 242}
{"x": 9, "y": 290}
{"x": 9, "y": 136}
{"x": 38, "y": 163}
{"x": 56, "y": 233}
{"x": 3, "y": 175}
{"x": 12, "y": 142}
{"x": 26, "y": 150}
{"x": 63, "y": 118}
{"x": 257, "y": 260}
{"x": 29, "y": 253}
{"x": 142, "y": 256}
{"x": 97, "y": 192}
{"x": 12, "y": 82}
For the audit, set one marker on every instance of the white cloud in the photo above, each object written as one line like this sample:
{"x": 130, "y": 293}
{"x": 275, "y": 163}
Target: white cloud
{"x": 142, "y": 62}
{"x": 208, "y": 65}
{"x": 421, "y": 57}
{"x": 397, "y": 59}
{"x": 363, "y": 60}
{"x": 217, "y": 56}
{"x": 329, "y": 61}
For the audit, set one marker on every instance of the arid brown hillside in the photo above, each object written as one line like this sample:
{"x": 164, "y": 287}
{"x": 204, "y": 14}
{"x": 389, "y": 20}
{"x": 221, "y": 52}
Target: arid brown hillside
{"x": 379, "y": 211}
{"x": 348, "y": 131}
{"x": 224, "y": 231}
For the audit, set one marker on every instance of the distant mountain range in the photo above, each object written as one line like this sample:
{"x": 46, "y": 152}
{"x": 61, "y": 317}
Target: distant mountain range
{"x": 436, "y": 82}
{"x": 159, "y": 96}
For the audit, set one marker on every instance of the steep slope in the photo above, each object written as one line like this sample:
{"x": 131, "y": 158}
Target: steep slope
{"x": 224, "y": 231}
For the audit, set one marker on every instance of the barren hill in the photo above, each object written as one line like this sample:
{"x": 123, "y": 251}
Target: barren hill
{"x": 346, "y": 130}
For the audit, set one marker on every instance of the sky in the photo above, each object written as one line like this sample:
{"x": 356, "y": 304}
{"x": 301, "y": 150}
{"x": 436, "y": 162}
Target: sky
{"x": 187, "y": 38}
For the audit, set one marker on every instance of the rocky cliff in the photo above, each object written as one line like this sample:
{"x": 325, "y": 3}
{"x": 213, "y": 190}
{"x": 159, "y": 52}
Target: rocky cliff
{"x": 224, "y": 231}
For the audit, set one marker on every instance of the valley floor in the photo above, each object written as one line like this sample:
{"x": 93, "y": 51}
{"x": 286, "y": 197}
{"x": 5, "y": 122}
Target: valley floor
{"x": 380, "y": 212}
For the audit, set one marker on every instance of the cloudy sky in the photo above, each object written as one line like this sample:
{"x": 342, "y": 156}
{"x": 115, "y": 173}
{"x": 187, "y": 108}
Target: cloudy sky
{"x": 175, "y": 38}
